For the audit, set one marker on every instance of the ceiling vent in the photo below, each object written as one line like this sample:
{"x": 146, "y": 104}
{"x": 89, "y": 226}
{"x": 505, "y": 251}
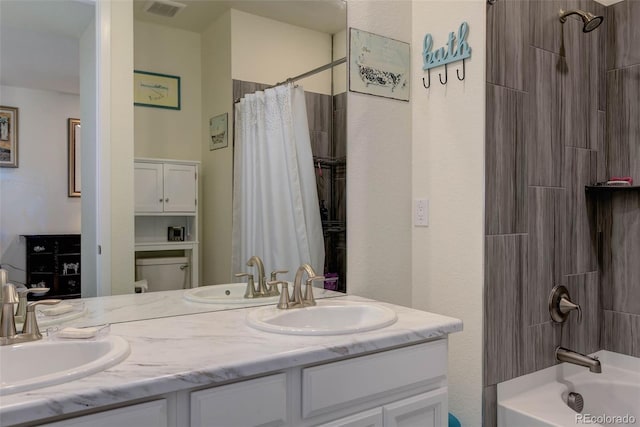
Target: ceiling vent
{"x": 165, "y": 8}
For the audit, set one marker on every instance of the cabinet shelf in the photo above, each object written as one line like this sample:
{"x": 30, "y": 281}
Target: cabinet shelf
{"x": 166, "y": 246}
{"x": 176, "y": 214}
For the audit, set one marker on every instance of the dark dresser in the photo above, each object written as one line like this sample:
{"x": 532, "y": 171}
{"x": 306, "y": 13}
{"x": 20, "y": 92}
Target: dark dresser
{"x": 53, "y": 261}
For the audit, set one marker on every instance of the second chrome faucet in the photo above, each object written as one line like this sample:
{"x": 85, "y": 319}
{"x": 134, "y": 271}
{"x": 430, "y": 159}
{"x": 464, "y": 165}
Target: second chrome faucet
{"x": 264, "y": 289}
{"x": 297, "y": 300}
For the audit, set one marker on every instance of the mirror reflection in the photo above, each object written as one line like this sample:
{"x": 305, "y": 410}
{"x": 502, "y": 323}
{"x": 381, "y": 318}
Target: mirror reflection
{"x": 220, "y": 51}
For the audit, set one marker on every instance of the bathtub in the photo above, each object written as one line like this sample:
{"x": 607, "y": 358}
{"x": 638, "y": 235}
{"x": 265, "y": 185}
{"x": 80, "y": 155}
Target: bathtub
{"x": 611, "y": 398}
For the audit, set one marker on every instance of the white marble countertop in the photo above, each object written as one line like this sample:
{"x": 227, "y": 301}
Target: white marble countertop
{"x": 178, "y": 353}
{"x": 149, "y": 305}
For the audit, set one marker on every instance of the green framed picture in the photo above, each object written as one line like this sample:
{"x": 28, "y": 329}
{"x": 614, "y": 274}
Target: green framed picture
{"x": 156, "y": 90}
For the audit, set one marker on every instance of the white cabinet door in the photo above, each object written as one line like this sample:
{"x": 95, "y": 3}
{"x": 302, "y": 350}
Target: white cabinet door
{"x": 259, "y": 402}
{"x": 148, "y": 190}
{"x": 372, "y": 418}
{"x": 424, "y": 410}
{"x": 152, "y": 414}
{"x": 180, "y": 189}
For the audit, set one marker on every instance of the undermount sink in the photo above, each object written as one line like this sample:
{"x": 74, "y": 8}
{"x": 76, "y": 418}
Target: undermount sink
{"x": 326, "y": 318}
{"x": 229, "y": 293}
{"x": 44, "y": 363}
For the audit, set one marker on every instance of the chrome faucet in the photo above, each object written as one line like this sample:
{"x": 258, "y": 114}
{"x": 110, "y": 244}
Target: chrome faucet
{"x": 257, "y": 262}
{"x": 570, "y": 356}
{"x": 263, "y": 290}
{"x": 30, "y": 330}
{"x": 299, "y": 301}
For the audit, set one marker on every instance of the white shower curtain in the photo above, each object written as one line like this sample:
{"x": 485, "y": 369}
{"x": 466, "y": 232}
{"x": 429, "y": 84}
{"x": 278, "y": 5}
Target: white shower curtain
{"x": 276, "y": 214}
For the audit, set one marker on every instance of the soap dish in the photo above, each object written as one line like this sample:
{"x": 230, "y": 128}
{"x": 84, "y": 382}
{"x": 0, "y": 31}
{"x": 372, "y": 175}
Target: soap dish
{"x": 86, "y": 333}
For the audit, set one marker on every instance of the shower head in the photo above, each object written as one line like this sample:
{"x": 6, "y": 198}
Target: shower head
{"x": 590, "y": 21}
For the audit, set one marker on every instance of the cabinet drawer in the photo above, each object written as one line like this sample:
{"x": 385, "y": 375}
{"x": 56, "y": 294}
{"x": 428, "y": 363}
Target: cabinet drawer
{"x": 151, "y": 414}
{"x": 262, "y": 401}
{"x": 337, "y": 385}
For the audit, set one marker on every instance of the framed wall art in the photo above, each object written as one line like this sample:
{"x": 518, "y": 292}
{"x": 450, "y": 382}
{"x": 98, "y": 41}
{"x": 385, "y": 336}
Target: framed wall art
{"x": 156, "y": 90}
{"x": 379, "y": 65}
{"x": 218, "y": 132}
{"x": 74, "y": 144}
{"x": 8, "y": 137}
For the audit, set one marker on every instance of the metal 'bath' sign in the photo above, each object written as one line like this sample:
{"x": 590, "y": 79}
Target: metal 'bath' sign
{"x": 456, "y": 49}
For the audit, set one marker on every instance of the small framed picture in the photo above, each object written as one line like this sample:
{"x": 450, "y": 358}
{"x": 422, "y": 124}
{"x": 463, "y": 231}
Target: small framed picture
{"x": 8, "y": 137}
{"x": 379, "y": 65}
{"x": 218, "y": 132}
{"x": 156, "y": 90}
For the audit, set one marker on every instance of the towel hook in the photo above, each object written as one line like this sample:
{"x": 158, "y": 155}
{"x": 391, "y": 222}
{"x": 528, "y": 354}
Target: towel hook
{"x": 464, "y": 72}
{"x": 446, "y": 75}
{"x": 427, "y": 85}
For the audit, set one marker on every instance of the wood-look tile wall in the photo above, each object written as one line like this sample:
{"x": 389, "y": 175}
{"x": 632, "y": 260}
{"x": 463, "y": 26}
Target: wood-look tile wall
{"x": 545, "y": 132}
{"x": 619, "y": 214}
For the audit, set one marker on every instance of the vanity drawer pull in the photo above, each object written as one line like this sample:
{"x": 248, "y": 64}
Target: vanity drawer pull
{"x": 330, "y": 387}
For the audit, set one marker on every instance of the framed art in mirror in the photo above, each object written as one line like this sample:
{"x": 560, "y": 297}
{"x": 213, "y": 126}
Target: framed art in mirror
{"x": 218, "y": 131}
{"x": 73, "y": 132}
{"x": 156, "y": 90}
{"x": 8, "y": 137}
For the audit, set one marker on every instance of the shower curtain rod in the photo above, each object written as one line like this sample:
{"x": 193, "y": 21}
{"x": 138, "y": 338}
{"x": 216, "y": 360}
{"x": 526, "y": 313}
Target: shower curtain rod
{"x": 312, "y": 72}
{"x": 307, "y": 74}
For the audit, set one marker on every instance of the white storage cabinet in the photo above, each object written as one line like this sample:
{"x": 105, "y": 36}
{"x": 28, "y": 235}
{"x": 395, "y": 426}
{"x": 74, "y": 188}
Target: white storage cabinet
{"x": 166, "y": 195}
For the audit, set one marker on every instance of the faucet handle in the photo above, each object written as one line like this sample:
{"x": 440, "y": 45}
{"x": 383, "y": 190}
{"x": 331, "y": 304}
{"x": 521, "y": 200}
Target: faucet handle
{"x": 30, "y": 326}
{"x": 308, "y": 290}
{"x": 23, "y": 292}
{"x": 272, "y": 284}
{"x": 560, "y": 305}
{"x": 250, "y": 292}
{"x": 275, "y": 273}
{"x": 565, "y": 306}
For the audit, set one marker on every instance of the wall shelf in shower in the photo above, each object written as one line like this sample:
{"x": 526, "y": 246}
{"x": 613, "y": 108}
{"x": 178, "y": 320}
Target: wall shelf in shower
{"x": 605, "y": 189}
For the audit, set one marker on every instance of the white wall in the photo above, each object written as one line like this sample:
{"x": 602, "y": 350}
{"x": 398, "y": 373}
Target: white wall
{"x": 340, "y": 72}
{"x": 33, "y": 196}
{"x": 163, "y": 133}
{"x": 401, "y": 151}
{"x": 379, "y": 173}
{"x": 217, "y": 165}
{"x": 89, "y": 201}
{"x": 121, "y": 148}
{"x": 269, "y": 51}
{"x": 448, "y": 169}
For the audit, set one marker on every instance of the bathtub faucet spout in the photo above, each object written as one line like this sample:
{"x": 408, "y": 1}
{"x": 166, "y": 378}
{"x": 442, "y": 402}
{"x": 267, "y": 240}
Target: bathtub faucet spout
{"x": 570, "y": 356}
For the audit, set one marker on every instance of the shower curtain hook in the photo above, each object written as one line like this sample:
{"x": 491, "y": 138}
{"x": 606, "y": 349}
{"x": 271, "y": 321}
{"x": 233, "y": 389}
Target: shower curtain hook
{"x": 463, "y": 72}
{"x": 427, "y": 85}
{"x": 446, "y": 75}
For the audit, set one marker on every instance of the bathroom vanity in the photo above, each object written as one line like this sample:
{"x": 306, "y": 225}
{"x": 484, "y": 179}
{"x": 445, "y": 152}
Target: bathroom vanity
{"x": 213, "y": 369}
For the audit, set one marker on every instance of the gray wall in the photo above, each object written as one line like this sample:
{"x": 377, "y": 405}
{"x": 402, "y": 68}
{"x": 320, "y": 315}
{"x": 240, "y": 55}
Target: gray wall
{"x": 620, "y": 213}
{"x": 546, "y": 101}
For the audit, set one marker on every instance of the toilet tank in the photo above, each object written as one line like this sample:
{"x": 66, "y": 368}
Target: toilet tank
{"x": 164, "y": 274}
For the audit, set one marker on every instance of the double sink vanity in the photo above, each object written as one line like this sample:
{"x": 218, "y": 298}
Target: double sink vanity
{"x": 344, "y": 361}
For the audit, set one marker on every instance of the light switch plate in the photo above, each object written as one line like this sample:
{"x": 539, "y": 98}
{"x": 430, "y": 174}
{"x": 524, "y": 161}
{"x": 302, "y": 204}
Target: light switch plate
{"x": 421, "y": 213}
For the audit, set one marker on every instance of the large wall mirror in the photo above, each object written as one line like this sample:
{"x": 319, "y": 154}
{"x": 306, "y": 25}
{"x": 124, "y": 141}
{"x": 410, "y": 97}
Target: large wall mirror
{"x": 221, "y": 50}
